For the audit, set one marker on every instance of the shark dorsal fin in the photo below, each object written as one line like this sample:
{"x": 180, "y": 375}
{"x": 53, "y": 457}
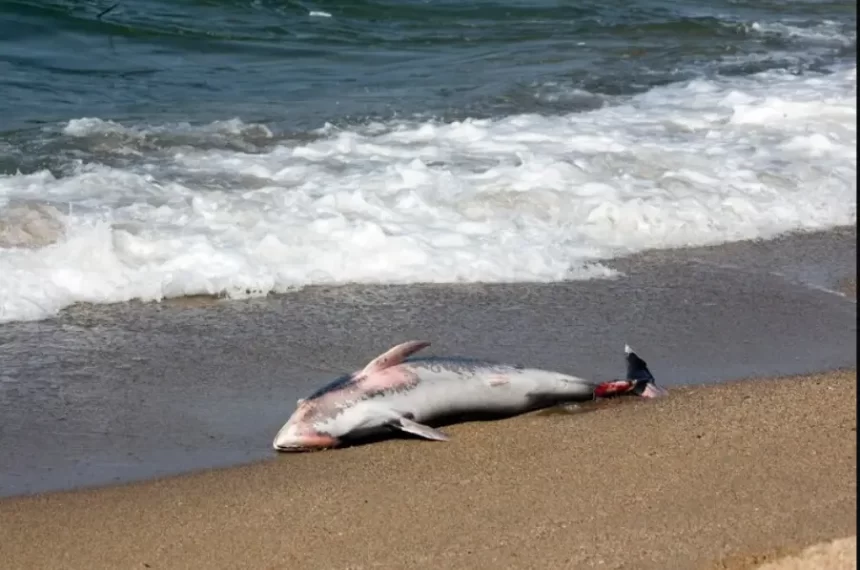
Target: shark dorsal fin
{"x": 394, "y": 356}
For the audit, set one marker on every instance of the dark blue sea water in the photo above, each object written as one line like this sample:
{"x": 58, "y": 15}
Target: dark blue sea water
{"x": 155, "y": 148}
{"x": 300, "y": 64}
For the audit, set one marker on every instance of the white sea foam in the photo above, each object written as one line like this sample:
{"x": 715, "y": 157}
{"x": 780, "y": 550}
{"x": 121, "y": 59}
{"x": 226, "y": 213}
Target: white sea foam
{"x": 825, "y": 32}
{"x": 90, "y": 126}
{"x": 523, "y": 197}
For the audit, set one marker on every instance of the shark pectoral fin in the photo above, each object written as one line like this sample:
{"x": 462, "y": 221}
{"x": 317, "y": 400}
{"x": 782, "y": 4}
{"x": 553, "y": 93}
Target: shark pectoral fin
{"x": 407, "y": 425}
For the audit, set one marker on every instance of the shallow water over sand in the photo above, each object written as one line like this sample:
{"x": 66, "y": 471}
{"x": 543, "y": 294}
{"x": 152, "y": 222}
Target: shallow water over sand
{"x": 114, "y": 393}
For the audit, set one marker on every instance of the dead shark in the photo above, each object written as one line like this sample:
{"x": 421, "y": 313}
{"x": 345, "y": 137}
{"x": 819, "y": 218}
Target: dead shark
{"x": 399, "y": 391}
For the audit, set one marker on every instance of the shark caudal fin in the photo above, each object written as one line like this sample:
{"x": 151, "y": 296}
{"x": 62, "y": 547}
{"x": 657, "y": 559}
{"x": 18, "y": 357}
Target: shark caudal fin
{"x": 644, "y": 383}
{"x": 639, "y": 382}
{"x": 637, "y": 369}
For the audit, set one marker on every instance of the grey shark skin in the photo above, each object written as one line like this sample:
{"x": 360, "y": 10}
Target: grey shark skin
{"x": 398, "y": 391}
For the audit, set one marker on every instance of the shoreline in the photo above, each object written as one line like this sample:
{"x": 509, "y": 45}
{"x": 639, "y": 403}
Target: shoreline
{"x": 107, "y": 394}
{"x": 585, "y": 408}
{"x": 834, "y": 282}
{"x": 713, "y": 476}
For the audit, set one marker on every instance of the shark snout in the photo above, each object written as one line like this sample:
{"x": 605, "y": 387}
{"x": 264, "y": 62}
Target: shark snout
{"x": 300, "y": 437}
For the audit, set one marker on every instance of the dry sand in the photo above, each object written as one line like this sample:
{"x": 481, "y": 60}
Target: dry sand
{"x": 838, "y": 554}
{"x": 728, "y": 476}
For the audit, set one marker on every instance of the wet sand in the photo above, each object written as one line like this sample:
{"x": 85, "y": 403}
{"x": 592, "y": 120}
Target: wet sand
{"x": 848, "y": 287}
{"x": 106, "y": 394}
{"x": 716, "y": 476}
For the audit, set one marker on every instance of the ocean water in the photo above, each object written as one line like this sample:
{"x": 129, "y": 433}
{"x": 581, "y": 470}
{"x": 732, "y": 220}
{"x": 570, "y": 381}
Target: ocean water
{"x": 237, "y": 148}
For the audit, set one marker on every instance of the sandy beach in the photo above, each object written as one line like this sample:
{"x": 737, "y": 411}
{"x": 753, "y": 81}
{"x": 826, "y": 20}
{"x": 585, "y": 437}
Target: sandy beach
{"x": 212, "y": 210}
{"x": 720, "y": 476}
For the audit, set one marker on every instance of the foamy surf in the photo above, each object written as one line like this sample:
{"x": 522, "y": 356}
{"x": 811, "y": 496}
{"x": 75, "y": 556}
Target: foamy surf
{"x": 518, "y": 198}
